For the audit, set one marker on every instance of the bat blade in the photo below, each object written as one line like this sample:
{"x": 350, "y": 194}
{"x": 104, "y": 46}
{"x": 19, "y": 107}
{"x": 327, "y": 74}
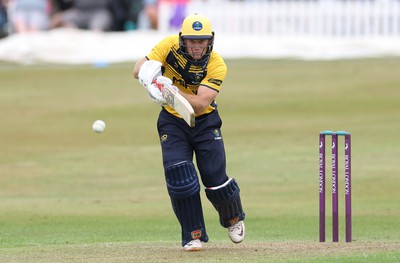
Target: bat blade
{"x": 180, "y": 104}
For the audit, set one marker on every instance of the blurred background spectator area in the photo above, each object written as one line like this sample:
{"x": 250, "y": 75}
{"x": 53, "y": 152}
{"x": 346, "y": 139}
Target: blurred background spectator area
{"x": 27, "y": 15}
{"x": 22, "y": 16}
{"x": 326, "y": 18}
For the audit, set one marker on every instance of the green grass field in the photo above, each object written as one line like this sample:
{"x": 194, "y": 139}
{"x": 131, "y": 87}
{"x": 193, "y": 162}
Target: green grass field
{"x": 68, "y": 194}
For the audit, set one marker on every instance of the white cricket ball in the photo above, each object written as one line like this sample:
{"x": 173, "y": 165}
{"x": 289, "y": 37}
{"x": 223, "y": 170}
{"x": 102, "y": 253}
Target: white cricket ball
{"x": 98, "y": 126}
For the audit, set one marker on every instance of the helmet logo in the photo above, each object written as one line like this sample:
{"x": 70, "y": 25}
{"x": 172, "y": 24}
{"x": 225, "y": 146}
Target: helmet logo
{"x": 197, "y": 26}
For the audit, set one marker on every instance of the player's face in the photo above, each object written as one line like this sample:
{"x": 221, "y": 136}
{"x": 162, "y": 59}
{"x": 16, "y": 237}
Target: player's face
{"x": 196, "y": 48}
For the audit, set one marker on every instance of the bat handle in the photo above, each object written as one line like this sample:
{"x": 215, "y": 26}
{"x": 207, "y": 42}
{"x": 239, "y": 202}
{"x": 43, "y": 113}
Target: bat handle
{"x": 159, "y": 85}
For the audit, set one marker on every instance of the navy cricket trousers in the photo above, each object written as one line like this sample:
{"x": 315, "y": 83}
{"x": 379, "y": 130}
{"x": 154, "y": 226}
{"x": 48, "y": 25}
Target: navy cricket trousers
{"x": 180, "y": 143}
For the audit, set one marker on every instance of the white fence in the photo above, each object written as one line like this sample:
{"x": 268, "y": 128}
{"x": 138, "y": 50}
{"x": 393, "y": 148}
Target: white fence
{"x": 328, "y": 18}
{"x": 301, "y": 29}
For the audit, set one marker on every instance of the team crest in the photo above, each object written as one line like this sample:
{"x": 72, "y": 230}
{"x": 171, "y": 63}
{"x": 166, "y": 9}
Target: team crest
{"x": 196, "y": 234}
{"x": 163, "y": 138}
{"x": 197, "y": 26}
{"x": 217, "y": 135}
{"x": 198, "y": 77}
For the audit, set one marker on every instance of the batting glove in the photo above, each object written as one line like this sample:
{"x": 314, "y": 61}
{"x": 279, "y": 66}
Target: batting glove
{"x": 155, "y": 94}
{"x": 161, "y": 80}
{"x": 148, "y": 72}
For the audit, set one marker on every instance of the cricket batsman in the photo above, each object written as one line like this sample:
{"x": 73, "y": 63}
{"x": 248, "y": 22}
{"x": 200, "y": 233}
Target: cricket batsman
{"x": 187, "y": 61}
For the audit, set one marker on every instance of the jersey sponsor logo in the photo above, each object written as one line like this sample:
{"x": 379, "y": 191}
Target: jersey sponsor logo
{"x": 180, "y": 81}
{"x": 197, "y": 26}
{"x": 215, "y": 81}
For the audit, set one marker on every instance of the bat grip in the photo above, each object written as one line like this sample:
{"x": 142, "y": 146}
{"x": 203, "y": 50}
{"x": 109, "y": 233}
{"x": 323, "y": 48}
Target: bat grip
{"x": 159, "y": 85}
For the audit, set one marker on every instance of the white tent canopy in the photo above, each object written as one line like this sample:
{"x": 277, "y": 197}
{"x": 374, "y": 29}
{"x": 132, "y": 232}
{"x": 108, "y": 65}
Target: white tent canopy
{"x": 67, "y": 46}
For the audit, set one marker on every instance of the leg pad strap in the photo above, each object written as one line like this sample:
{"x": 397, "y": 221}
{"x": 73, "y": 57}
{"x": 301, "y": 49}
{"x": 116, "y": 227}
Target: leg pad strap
{"x": 184, "y": 190}
{"x": 182, "y": 180}
{"x": 226, "y": 200}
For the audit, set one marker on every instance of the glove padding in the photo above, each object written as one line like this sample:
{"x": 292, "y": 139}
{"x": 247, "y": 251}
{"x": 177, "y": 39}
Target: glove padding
{"x": 155, "y": 90}
{"x": 155, "y": 94}
{"x": 148, "y": 72}
{"x": 161, "y": 81}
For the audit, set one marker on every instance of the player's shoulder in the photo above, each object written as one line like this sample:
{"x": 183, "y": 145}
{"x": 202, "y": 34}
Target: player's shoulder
{"x": 216, "y": 59}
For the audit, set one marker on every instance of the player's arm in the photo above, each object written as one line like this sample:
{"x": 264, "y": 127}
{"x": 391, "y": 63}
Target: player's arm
{"x": 200, "y": 101}
{"x": 137, "y": 67}
{"x": 147, "y": 71}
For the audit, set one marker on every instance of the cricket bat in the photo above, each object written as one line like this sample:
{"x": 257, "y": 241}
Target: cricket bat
{"x": 179, "y": 103}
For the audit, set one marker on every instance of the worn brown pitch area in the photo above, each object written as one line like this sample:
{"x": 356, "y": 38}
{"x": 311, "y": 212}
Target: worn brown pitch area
{"x": 213, "y": 252}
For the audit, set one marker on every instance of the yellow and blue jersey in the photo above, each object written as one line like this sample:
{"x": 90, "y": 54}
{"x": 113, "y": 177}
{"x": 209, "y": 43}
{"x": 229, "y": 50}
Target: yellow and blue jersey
{"x": 186, "y": 75}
